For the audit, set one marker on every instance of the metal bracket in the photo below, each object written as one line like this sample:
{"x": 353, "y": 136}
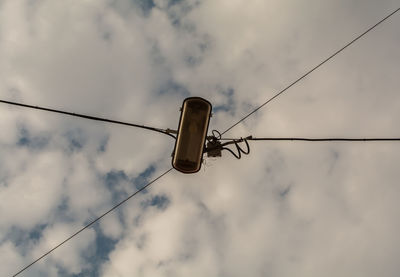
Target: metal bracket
{"x": 170, "y": 131}
{"x": 214, "y": 148}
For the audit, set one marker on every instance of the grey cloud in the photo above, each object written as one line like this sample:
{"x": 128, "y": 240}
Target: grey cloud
{"x": 286, "y": 209}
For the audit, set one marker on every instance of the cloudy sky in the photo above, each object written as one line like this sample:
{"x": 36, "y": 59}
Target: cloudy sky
{"x": 287, "y": 209}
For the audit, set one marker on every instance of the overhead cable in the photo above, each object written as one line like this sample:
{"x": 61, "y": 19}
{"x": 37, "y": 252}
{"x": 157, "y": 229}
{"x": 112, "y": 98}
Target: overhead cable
{"x": 215, "y": 146}
{"x": 165, "y": 132}
{"x": 311, "y": 139}
{"x": 92, "y": 222}
{"x": 313, "y": 69}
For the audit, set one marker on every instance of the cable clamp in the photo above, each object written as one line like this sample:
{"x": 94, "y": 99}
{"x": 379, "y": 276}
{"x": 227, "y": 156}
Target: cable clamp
{"x": 170, "y": 131}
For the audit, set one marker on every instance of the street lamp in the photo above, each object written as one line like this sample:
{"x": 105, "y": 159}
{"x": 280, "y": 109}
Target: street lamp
{"x": 192, "y": 132}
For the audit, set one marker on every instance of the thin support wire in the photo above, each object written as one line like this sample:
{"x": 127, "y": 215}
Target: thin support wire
{"x": 165, "y": 132}
{"x": 312, "y": 70}
{"x": 214, "y": 147}
{"x": 315, "y": 139}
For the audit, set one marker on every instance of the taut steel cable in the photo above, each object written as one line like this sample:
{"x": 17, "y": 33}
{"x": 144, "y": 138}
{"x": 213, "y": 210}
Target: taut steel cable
{"x": 165, "y": 132}
{"x": 312, "y": 70}
{"x": 92, "y": 222}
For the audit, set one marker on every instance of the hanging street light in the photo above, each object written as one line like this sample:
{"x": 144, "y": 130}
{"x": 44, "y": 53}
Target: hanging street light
{"x": 192, "y": 131}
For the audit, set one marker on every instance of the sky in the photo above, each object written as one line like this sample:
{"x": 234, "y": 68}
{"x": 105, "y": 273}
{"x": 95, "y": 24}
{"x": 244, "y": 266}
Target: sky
{"x": 287, "y": 209}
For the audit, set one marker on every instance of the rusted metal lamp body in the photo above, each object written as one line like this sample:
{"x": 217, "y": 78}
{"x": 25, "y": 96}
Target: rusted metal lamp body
{"x": 192, "y": 132}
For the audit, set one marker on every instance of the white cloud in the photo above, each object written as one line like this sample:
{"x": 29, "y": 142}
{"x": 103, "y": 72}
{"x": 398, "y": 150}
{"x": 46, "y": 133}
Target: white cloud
{"x": 289, "y": 208}
{"x": 111, "y": 226}
{"x": 10, "y": 257}
{"x": 27, "y": 199}
{"x": 70, "y": 258}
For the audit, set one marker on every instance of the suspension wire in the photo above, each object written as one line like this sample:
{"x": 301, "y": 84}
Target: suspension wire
{"x": 313, "y": 69}
{"x": 92, "y": 222}
{"x": 238, "y": 149}
{"x": 311, "y": 139}
{"x": 217, "y": 146}
{"x": 165, "y": 132}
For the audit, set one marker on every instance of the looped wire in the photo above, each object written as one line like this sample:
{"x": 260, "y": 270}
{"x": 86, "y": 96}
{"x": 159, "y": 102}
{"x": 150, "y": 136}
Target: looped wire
{"x": 216, "y": 134}
{"x": 214, "y": 145}
{"x": 239, "y": 149}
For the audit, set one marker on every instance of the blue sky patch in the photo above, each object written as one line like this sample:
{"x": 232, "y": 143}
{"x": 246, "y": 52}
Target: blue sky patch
{"x": 35, "y": 142}
{"x": 36, "y": 233}
{"x": 62, "y": 212}
{"x": 22, "y": 238}
{"x": 97, "y": 254}
{"x": 103, "y": 144}
{"x": 161, "y": 202}
{"x": 228, "y": 105}
{"x": 112, "y": 182}
{"x": 171, "y": 87}
{"x": 76, "y": 139}
{"x": 142, "y": 179}
{"x": 144, "y": 5}
{"x": 113, "y": 179}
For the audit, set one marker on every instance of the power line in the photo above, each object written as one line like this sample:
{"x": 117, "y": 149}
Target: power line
{"x": 165, "y": 132}
{"x": 92, "y": 222}
{"x": 313, "y": 69}
{"x": 215, "y": 147}
{"x": 312, "y": 139}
